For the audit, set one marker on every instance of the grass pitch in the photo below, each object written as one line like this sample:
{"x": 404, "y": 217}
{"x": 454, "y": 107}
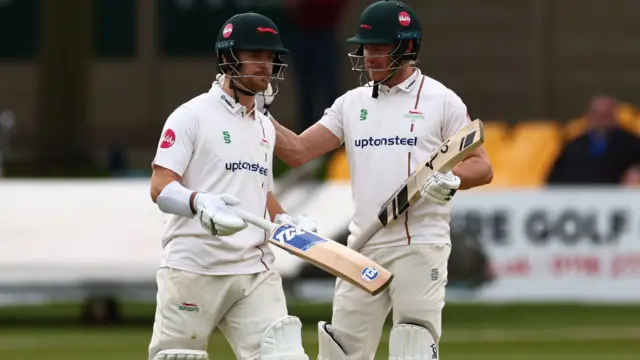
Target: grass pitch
{"x": 458, "y": 344}
{"x": 470, "y": 333}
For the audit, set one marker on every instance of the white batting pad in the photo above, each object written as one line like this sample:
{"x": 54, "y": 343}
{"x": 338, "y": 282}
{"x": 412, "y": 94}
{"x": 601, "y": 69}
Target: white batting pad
{"x": 328, "y": 348}
{"x": 283, "y": 341}
{"x": 412, "y": 342}
{"x": 181, "y": 354}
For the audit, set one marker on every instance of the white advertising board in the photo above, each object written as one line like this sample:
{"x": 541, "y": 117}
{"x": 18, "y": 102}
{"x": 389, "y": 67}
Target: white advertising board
{"x": 76, "y": 231}
{"x": 556, "y": 244}
{"x": 573, "y": 244}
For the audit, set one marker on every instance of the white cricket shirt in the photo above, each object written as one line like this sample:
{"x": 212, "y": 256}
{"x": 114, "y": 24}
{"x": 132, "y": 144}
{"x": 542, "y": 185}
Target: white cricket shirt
{"x": 386, "y": 138}
{"x": 217, "y": 148}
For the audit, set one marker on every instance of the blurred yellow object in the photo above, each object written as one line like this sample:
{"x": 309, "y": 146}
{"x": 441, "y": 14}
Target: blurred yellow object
{"x": 338, "y": 169}
{"x": 574, "y": 128}
{"x": 529, "y": 156}
{"x": 628, "y": 117}
{"x": 496, "y": 137}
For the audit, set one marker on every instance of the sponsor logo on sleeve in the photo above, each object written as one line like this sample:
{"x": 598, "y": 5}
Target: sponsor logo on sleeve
{"x": 168, "y": 139}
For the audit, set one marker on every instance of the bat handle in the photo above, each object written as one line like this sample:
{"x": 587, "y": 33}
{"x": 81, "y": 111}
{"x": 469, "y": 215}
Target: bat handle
{"x": 254, "y": 219}
{"x": 365, "y": 235}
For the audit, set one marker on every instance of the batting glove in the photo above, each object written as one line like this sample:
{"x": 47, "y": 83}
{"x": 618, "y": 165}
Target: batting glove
{"x": 263, "y": 99}
{"x": 215, "y": 214}
{"x": 439, "y": 188}
{"x": 303, "y": 222}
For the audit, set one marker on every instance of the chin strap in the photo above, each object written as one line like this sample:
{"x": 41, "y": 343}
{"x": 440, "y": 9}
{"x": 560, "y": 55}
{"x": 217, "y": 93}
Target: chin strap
{"x": 376, "y": 88}
{"x": 236, "y": 89}
{"x": 376, "y": 84}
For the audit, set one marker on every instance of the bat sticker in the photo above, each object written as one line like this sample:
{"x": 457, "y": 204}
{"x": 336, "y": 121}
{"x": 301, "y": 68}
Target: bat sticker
{"x": 297, "y": 238}
{"x": 467, "y": 141}
{"x": 369, "y": 273}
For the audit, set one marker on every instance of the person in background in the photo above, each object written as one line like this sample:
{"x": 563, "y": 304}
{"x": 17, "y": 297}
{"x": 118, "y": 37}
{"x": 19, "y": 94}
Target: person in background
{"x": 316, "y": 53}
{"x": 604, "y": 154}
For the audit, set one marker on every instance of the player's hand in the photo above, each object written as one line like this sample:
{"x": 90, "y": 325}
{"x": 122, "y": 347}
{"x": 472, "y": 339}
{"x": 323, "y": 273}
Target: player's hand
{"x": 303, "y": 222}
{"x": 439, "y": 188}
{"x": 215, "y": 214}
{"x": 263, "y": 99}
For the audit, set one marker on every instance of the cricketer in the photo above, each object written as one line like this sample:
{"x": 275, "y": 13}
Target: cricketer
{"x": 389, "y": 125}
{"x": 216, "y": 153}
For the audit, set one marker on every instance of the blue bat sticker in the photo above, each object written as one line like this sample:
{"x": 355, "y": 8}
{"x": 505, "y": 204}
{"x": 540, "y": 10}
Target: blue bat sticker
{"x": 297, "y": 238}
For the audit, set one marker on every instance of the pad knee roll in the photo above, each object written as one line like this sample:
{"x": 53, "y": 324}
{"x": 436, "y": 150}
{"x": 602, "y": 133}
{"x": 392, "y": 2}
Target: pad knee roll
{"x": 328, "y": 347}
{"x": 412, "y": 342}
{"x": 283, "y": 341}
{"x": 181, "y": 354}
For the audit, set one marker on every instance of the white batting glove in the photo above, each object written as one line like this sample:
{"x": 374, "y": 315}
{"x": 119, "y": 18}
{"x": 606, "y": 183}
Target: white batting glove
{"x": 215, "y": 215}
{"x": 218, "y": 81}
{"x": 439, "y": 188}
{"x": 303, "y": 222}
{"x": 263, "y": 99}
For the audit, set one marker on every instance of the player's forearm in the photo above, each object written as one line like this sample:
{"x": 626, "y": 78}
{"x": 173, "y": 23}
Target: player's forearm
{"x": 474, "y": 171}
{"x": 273, "y": 206}
{"x": 161, "y": 178}
{"x": 288, "y": 146}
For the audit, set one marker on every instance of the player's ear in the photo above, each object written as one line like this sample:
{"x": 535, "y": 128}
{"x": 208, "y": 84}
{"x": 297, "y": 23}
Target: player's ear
{"x": 410, "y": 47}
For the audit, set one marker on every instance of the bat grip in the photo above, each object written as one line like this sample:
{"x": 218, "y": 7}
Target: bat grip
{"x": 365, "y": 235}
{"x": 254, "y": 219}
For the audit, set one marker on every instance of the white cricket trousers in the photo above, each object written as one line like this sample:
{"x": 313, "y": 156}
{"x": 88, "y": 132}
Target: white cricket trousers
{"x": 416, "y": 295}
{"x": 189, "y": 306}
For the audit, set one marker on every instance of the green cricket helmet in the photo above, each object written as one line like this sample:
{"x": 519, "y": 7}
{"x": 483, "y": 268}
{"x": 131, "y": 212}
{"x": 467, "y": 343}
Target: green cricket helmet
{"x": 246, "y": 32}
{"x": 383, "y": 23}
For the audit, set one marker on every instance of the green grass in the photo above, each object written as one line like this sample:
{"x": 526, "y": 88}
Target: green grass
{"x": 471, "y": 332}
{"x": 497, "y": 344}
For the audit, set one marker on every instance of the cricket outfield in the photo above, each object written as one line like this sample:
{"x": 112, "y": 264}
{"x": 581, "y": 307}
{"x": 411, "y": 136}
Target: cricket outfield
{"x": 522, "y": 332}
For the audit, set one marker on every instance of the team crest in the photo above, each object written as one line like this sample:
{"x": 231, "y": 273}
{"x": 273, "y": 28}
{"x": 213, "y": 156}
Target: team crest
{"x": 189, "y": 307}
{"x": 414, "y": 114}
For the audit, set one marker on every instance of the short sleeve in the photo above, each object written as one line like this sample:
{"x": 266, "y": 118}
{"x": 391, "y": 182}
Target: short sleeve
{"x": 456, "y": 115}
{"x": 178, "y": 141}
{"x": 332, "y": 119}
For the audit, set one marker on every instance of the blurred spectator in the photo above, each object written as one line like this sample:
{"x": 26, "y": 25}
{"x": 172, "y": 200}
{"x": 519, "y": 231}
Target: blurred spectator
{"x": 605, "y": 154}
{"x": 632, "y": 176}
{"x": 316, "y": 51}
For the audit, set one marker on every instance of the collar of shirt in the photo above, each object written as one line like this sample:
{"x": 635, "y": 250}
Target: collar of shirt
{"x": 231, "y": 105}
{"x": 405, "y": 86}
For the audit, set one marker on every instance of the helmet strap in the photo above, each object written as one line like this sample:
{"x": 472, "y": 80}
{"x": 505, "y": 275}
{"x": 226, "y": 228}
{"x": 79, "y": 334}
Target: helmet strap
{"x": 375, "y": 91}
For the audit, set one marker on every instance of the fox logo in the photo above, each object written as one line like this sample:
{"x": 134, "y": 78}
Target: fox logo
{"x": 269, "y": 30}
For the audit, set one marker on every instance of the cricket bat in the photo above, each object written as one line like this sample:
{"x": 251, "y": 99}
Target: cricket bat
{"x": 449, "y": 154}
{"x": 326, "y": 254}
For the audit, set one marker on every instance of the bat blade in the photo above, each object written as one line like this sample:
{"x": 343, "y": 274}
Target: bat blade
{"x": 444, "y": 158}
{"x": 332, "y": 257}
